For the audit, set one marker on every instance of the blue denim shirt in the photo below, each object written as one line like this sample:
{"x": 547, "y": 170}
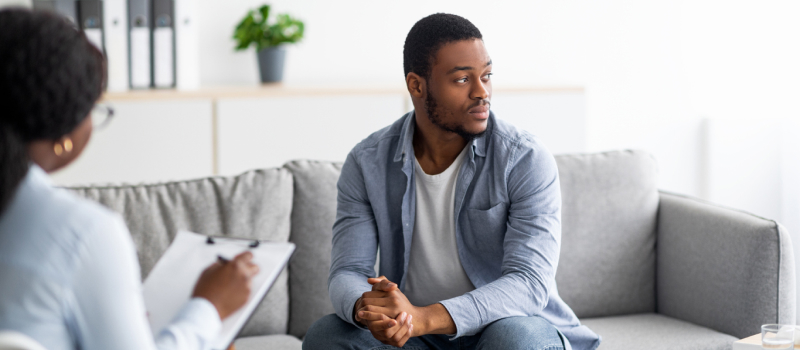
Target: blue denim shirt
{"x": 508, "y": 227}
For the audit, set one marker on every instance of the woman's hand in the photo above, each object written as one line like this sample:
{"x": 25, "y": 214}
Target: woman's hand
{"x": 227, "y": 285}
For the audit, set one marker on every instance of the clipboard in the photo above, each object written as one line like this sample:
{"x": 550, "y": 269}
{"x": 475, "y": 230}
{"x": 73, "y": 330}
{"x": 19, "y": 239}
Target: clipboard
{"x": 170, "y": 284}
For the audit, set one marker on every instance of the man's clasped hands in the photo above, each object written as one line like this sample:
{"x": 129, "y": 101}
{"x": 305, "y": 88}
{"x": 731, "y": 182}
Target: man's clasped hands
{"x": 387, "y": 313}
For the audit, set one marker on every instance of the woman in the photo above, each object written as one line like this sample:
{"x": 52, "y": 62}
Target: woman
{"x": 69, "y": 277}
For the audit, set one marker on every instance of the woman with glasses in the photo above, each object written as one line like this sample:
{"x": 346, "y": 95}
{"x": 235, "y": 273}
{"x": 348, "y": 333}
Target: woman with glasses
{"x": 69, "y": 277}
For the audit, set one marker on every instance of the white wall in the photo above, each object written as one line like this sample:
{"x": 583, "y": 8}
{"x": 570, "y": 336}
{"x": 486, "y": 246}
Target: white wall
{"x": 653, "y": 72}
{"x": 652, "y": 69}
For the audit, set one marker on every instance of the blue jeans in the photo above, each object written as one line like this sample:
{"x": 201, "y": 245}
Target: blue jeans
{"x": 512, "y": 333}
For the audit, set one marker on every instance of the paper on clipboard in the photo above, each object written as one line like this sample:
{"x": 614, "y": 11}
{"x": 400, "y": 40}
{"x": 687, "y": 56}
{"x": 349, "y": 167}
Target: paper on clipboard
{"x": 171, "y": 282}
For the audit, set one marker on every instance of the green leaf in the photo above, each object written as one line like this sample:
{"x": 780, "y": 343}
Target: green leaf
{"x": 254, "y": 29}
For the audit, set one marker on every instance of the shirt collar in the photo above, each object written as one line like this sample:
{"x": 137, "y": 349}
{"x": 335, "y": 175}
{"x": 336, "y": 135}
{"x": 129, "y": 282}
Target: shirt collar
{"x": 478, "y": 144}
{"x": 37, "y": 175}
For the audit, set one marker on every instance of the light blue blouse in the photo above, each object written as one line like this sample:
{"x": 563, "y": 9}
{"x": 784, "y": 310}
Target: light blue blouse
{"x": 69, "y": 277}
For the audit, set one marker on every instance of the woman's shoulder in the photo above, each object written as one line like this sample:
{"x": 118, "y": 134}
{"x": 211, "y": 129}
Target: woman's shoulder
{"x": 47, "y": 221}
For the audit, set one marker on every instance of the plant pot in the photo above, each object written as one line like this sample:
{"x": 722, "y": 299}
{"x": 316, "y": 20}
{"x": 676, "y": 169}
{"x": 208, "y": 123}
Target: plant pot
{"x": 270, "y": 64}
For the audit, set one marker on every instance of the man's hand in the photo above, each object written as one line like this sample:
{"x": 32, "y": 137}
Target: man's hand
{"x": 387, "y": 300}
{"x": 395, "y": 330}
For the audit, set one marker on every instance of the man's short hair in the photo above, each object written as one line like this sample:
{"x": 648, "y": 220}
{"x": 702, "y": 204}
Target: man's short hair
{"x": 428, "y": 35}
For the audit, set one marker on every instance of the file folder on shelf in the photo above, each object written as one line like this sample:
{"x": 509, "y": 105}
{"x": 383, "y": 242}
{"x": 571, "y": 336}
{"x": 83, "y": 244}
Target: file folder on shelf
{"x": 163, "y": 44}
{"x": 115, "y": 32}
{"x": 91, "y": 21}
{"x": 187, "y": 62}
{"x": 66, "y": 8}
{"x": 139, "y": 43}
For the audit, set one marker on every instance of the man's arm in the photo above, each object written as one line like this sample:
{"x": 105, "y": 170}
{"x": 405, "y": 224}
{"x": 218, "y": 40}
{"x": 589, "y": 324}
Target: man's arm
{"x": 355, "y": 242}
{"x": 531, "y": 248}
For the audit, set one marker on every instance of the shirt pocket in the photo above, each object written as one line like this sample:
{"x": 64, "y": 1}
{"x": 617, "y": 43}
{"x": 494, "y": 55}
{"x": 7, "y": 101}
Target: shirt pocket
{"x": 488, "y": 227}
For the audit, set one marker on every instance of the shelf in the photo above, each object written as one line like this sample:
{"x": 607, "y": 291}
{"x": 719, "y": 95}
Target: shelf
{"x": 282, "y": 90}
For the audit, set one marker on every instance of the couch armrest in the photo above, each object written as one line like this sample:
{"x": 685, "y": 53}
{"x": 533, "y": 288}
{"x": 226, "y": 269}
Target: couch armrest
{"x": 721, "y": 268}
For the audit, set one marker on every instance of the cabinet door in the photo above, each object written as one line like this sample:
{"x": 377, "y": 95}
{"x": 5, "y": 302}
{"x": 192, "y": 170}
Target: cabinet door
{"x": 147, "y": 141}
{"x": 267, "y": 132}
{"x": 557, "y": 118}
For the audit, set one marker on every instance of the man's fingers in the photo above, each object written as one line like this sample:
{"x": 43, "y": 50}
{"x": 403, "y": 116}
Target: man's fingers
{"x": 383, "y": 325}
{"x": 384, "y": 285}
{"x": 374, "y": 294}
{"x": 374, "y": 302}
{"x": 404, "y": 333}
{"x": 372, "y": 316}
{"x": 378, "y": 309}
{"x": 374, "y": 280}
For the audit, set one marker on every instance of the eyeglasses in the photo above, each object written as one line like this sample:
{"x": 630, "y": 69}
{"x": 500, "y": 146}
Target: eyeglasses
{"x": 101, "y": 116}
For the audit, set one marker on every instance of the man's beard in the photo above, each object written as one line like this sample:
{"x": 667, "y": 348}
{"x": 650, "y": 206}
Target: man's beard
{"x": 431, "y": 107}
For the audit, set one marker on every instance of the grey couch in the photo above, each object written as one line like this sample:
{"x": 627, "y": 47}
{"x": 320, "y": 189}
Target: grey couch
{"x": 642, "y": 268}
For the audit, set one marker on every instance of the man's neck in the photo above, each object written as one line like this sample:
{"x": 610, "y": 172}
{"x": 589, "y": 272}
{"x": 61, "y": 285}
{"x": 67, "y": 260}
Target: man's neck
{"x": 435, "y": 149}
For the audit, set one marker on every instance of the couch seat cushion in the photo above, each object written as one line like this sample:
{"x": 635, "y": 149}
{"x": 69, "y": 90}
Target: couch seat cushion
{"x": 271, "y": 342}
{"x": 654, "y": 331}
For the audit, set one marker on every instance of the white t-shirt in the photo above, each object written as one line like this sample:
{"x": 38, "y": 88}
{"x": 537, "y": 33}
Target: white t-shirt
{"x": 434, "y": 269}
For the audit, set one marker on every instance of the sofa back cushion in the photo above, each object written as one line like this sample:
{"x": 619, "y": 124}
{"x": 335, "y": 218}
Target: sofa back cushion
{"x": 313, "y": 214}
{"x": 609, "y": 211}
{"x": 256, "y": 204}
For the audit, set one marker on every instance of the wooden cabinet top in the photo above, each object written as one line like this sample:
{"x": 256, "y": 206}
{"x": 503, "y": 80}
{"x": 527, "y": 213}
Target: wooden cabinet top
{"x": 279, "y": 89}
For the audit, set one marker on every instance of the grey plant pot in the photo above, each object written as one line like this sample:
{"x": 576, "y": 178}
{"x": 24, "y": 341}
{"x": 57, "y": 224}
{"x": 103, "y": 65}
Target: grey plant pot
{"x": 270, "y": 64}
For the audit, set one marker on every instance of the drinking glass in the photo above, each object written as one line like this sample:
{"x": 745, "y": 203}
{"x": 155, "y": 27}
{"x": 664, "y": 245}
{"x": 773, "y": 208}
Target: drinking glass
{"x": 777, "y": 336}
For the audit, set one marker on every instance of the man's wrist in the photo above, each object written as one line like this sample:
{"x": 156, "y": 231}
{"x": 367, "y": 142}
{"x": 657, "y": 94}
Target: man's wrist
{"x": 434, "y": 319}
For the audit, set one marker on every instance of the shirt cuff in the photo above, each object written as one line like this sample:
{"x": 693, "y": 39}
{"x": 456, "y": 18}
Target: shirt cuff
{"x": 465, "y": 315}
{"x": 201, "y": 316}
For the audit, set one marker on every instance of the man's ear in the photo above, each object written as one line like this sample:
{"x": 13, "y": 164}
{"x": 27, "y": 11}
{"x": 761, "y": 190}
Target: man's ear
{"x": 416, "y": 85}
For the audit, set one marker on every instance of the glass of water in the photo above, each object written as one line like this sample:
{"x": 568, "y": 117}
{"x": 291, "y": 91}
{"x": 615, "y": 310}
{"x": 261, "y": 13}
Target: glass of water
{"x": 777, "y": 336}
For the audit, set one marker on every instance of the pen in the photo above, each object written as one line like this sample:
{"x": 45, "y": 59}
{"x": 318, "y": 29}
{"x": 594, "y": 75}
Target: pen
{"x": 222, "y": 260}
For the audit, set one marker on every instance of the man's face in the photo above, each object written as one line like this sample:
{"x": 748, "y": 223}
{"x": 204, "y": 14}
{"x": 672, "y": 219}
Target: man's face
{"x": 460, "y": 89}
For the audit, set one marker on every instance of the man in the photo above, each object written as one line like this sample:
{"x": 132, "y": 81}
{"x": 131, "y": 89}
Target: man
{"x": 465, "y": 210}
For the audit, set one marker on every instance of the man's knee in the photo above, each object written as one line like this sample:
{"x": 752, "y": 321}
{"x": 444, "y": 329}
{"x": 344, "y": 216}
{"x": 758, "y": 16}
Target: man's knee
{"x": 533, "y": 333}
{"x": 327, "y": 333}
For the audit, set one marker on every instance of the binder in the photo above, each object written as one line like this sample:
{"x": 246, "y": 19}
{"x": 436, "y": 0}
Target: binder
{"x": 115, "y": 32}
{"x": 187, "y": 58}
{"x": 139, "y": 43}
{"x": 163, "y": 44}
{"x": 90, "y": 13}
{"x": 169, "y": 285}
{"x": 66, "y": 8}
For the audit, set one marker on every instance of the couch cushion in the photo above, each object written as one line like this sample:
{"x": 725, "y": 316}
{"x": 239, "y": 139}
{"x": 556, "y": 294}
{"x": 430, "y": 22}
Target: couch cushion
{"x": 269, "y": 342}
{"x": 256, "y": 204}
{"x": 654, "y": 331}
{"x": 313, "y": 214}
{"x": 609, "y": 208}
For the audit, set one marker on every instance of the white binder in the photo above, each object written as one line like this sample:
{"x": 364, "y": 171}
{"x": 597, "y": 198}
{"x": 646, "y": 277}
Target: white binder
{"x": 171, "y": 282}
{"x": 163, "y": 44}
{"x": 139, "y": 42}
{"x": 115, "y": 28}
{"x": 187, "y": 58}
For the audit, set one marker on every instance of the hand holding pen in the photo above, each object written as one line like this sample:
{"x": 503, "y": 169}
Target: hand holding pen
{"x": 227, "y": 283}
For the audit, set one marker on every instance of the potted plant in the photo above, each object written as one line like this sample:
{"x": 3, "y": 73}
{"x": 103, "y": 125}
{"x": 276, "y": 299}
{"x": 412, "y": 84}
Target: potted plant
{"x": 268, "y": 40}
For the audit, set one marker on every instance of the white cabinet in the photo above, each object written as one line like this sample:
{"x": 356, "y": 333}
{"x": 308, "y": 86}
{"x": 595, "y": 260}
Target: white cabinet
{"x": 268, "y": 132}
{"x": 147, "y": 141}
{"x": 168, "y": 135}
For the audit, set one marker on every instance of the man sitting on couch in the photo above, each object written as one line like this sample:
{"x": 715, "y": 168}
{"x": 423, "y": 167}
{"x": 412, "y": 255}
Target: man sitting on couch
{"x": 466, "y": 212}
